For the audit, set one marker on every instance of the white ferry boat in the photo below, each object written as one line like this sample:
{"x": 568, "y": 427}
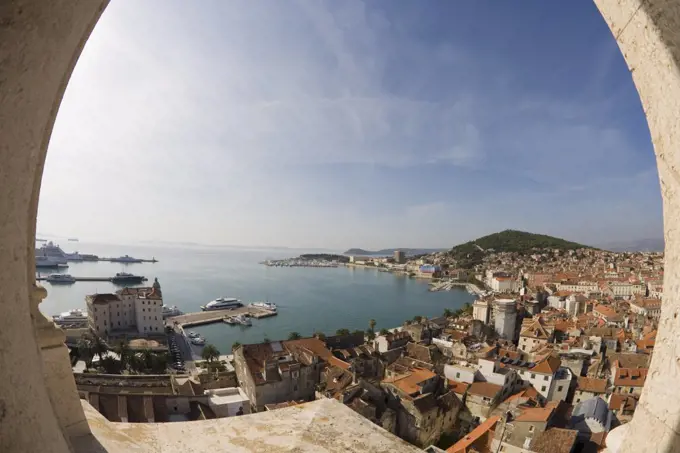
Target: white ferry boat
{"x": 266, "y": 305}
{"x": 222, "y": 303}
{"x": 60, "y": 278}
{"x": 47, "y": 262}
{"x": 169, "y": 311}
{"x": 71, "y": 317}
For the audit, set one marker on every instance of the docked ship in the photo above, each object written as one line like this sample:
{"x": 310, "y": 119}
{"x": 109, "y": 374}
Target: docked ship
{"x": 266, "y": 305}
{"x": 222, "y": 303}
{"x": 76, "y": 316}
{"x": 54, "y": 252}
{"x": 169, "y": 311}
{"x": 239, "y": 319}
{"x": 66, "y": 279}
{"x": 124, "y": 277}
{"x": 47, "y": 262}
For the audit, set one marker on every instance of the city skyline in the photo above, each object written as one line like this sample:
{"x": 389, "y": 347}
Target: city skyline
{"x": 335, "y": 125}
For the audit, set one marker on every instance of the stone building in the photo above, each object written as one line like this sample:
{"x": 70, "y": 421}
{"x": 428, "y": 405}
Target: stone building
{"x": 281, "y": 371}
{"x": 130, "y": 309}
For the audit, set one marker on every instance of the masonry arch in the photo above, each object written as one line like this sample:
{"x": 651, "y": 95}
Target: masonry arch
{"x": 40, "y": 42}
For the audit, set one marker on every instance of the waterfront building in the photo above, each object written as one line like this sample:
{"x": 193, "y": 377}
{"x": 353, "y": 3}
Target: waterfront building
{"x": 399, "y": 256}
{"x": 130, "y": 309}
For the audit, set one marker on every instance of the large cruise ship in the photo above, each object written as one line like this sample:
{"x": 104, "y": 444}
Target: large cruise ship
{"x": 56, "y": 254}
{"x": 222, "y": 303}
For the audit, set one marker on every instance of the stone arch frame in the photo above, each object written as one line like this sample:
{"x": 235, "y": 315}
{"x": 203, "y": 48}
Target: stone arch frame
{"x": 40, "y": 42}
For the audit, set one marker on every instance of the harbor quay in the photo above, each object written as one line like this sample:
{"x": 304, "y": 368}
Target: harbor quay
{"x": 213, "y": 316}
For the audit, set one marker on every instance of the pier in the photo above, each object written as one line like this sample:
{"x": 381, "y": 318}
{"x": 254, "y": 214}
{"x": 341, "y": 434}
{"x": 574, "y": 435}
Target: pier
{"x": 94, "y": 279}
{"x": 449, "y": 285}
{"x": 210, "y": 317}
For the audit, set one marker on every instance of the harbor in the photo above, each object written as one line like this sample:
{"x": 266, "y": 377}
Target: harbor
{"x": 120, "y": 278}
{"x": 448, "y": 285}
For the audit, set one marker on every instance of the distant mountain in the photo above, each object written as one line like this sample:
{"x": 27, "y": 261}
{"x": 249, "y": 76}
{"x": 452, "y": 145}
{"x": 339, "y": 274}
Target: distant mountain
{"x": 471, "y": 253}
{"x": 409, "y": 252}
{"x": 640, "y": 245}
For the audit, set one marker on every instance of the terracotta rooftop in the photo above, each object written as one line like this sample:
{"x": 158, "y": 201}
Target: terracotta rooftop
{"x": 486, "y": 389}
{"x": 464, "y": 445}
{"x": 458, "y": 387}
{"x": 619, "y": 401}
{"x": 411, "y": 382}
{"x": 548, "y": 365}
{"x": 630, "y": 377}
{"x": 593, "y": 385}
{"x": 535, "y": 414}
{"x": 555, "y": 440}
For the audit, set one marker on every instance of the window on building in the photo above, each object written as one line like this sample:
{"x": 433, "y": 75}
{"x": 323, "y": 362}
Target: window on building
{"x": 533, "y": 376}
{"x": 119, "y": 323}
{"x": 144, "y": 328}
{"x": 545, "y": 378}
{"x": 295, "y": 387}
{"x": 630, "y": 390}
{"x": 142, "y": 302}
{"x": 531, "y": 428}
{"x": 95, "y": 309}
{"x": 155, "y": 318}
{"x": 143, "y": 309}
{"x": 559, "y": 389}
{"x": 457, "y": 375}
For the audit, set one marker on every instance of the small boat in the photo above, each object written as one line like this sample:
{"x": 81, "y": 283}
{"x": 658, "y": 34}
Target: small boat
{"x": 191, "y": 334}
{"x": 60, "y": 278}
{"x": 239, "y": 319}
{"x": 266, "y": 305}
{"x": 222, "y": 303}
{"x": 198, "y": 341}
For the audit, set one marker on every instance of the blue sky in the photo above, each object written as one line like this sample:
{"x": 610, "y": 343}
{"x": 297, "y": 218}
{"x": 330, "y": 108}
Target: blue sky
{"x": 350, "y": 123}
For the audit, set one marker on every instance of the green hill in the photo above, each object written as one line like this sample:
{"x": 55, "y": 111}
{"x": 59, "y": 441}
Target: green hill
{"x": 471, "y": 253}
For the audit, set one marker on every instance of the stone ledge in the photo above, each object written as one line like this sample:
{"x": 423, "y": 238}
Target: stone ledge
{"x": 319, "y": 426}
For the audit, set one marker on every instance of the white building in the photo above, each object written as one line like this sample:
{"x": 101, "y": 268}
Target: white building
{"x": 505, "y": 318}
{"x": 547, "y": 376}
{"x": 228, "y": 402}
{"x": 504, "y": 284}
{"x": 138, "y": 309}
{"x": 480, "y": 311}
{"x": 627, "y": 289}
{"x": 462, "y": 372}
{"x": 646, "y": 307}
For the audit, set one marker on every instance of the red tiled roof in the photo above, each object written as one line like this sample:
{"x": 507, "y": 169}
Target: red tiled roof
{"x": 630, "y": 377}
{"x": 486, "y": 389}
{"x": 548, "y": 365}
{"x": 462, "y": 445}
{"x": 593, "y": 385}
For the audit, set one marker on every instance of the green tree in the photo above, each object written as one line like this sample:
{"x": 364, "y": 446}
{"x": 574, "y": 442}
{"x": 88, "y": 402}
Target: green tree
{"x": 342, "y": 331}
{"x": 124, "y": 352}
{"x": 447, "y": 313}
{"x": 135, "y": 363}
{"x": 86, "y": 351}
{"x": 147, "y": 358}
{"x": 370, "y": 334}
{"x": 417, "y": 318}
{"x": 371, "y": 325}
{"x": 320, "y": 335}
{"x": 99, "y": 346}
{"x": 384, "y": 331}
{"x": 110, "y": 365}
{"x": 358, "y": 332}
{"x": 159, "y": 362}
{"x": 210, "y": 353}
{"x": 235, "y": 345}
{"x": 467, "y": 308}
{"x": 294, "y": 336}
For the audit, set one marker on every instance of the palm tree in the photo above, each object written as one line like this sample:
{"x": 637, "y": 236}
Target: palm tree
{"x": 110, "y": 365}
{"x": 320, "y": 335}
{"x": 342, "y": 331}
{"x": 467, "y": 308}
{"x": 99, "y": 346}
{"x": 370, "y": 334}
{"x": 210, "y": 353}
{"x": 384, "y": 331}
{"x": 135, "y": 363}
{"x": 86, "y": 351}
{"x": 159, "y": 362}
{"x": 447, "y": 313}
{"x": 294, "y": 336}
{"x": 371, "y": 324}
{"x": 235, "y": 345}
{"x": 124, "y": 352}
{"x": 147, "y": 358}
